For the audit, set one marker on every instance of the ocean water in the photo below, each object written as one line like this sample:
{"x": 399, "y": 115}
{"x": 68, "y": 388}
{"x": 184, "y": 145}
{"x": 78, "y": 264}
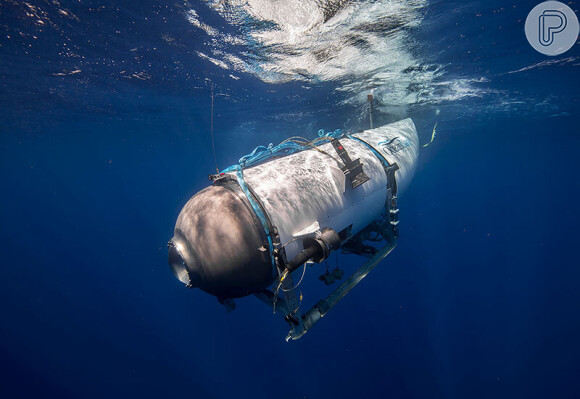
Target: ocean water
{"x": 105, "y": 114}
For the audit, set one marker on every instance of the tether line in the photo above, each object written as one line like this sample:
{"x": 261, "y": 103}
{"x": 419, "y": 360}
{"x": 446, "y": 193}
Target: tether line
{"x": 211, "y": 128}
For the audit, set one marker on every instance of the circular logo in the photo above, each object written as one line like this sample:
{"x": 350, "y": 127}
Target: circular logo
{"x": 552, "y": 28}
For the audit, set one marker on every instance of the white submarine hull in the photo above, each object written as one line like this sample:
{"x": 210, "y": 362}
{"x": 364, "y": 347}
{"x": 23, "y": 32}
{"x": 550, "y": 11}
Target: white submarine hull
{"x": 220, "y": 244}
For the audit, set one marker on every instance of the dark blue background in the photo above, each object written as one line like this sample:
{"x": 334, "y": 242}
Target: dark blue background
{"x": 481, "y": 298}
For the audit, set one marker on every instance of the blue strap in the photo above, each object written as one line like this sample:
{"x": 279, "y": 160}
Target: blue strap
{"x": 383, "y": 160}
{"x": 257, "y": 210}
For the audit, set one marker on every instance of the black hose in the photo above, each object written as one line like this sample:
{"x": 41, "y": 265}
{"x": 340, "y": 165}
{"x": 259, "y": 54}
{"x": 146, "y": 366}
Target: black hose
{"x": 303, "y": 256}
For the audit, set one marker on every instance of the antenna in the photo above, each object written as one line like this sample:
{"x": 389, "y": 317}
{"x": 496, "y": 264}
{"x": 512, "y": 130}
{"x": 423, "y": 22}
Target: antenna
{"x": 370, "y": 100}
{"x": 211, "y": 129}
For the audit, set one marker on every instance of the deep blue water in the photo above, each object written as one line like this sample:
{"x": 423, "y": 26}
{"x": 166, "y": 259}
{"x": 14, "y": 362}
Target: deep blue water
{"x": 105, "y": 114}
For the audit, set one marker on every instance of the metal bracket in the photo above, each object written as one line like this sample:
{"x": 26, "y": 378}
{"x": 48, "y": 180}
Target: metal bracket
{"x": 353, "y": 170}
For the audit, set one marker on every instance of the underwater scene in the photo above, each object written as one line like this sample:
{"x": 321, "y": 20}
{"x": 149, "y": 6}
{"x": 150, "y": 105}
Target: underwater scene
{"x": 289, "y": 199}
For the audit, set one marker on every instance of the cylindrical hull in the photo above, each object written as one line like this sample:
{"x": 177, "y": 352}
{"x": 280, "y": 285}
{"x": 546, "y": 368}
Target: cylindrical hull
{"x": 220, "y": 245}
{"x": 306, "y": 191}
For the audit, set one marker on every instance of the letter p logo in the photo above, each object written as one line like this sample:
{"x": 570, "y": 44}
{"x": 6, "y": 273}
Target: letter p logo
{"x": 550, "y": 23}
{"x": 552, "y": 28}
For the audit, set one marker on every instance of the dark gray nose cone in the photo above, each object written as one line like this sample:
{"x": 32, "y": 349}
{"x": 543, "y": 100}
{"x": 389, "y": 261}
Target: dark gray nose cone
{"x": 219, "y": 245}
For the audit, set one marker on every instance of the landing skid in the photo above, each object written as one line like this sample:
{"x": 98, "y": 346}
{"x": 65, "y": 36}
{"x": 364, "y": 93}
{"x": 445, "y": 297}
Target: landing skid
{"x": 301, "y": 324}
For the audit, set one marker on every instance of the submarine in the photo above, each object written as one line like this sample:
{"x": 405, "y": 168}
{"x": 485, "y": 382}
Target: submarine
{"x": 283, "y": 207}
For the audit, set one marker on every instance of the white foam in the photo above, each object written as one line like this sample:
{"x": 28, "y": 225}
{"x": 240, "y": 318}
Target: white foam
{"x": 545, "y": 63}
{"x": 193, "y": 18}
{"x": 358, "y": 45}
{"x": 219, "y": 63}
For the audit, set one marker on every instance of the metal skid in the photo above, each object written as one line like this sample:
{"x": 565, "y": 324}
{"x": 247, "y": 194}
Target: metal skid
{"x": 288, "y": 303}
{"x": 302, "y": 323}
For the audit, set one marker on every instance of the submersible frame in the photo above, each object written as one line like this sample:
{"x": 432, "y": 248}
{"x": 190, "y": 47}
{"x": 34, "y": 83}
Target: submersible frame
{"x": 286, "y": 206}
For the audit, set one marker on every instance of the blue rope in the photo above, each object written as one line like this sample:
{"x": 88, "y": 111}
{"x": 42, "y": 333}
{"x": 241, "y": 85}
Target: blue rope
{"x": 333, "y": 135}
{"x": 261, "y": 153}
